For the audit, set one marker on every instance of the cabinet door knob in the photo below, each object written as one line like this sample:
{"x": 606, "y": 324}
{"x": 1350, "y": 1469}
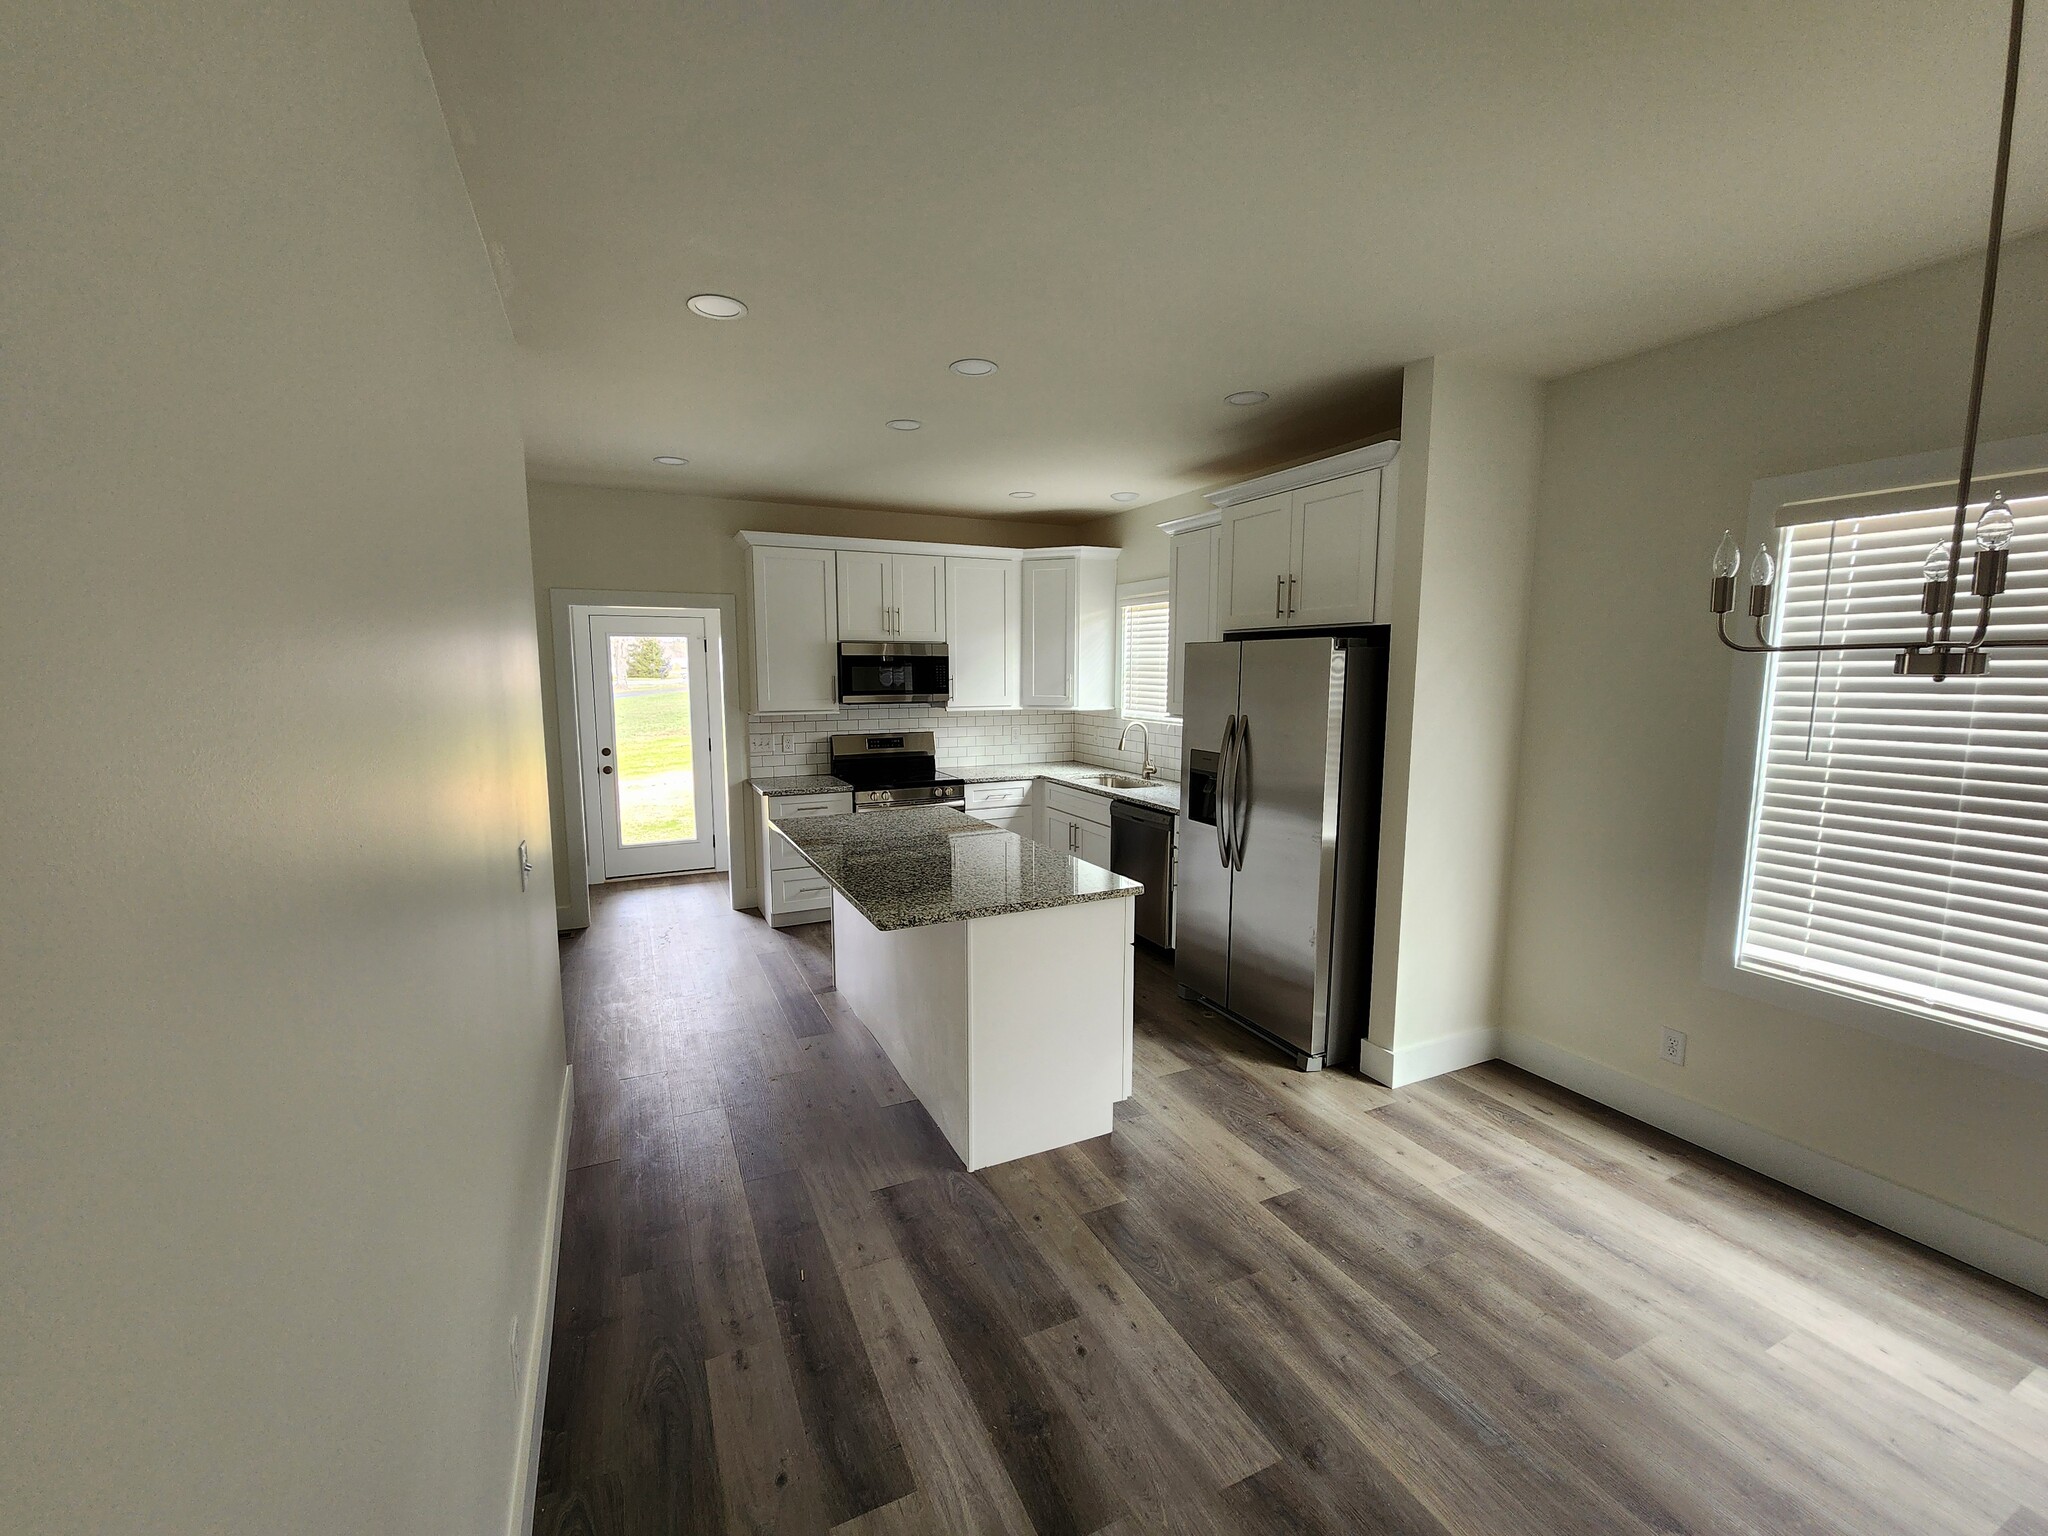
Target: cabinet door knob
{"x": 607, "y": 768}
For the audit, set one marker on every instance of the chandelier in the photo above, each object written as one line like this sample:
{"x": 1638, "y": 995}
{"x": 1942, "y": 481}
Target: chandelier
{"x": 1943, "y": 653}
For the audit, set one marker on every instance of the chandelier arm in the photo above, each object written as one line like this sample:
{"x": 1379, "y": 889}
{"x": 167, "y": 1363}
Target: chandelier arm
{"x": 1989, "y": 295}
{"x": 1983, "y": 626}
{"x": 1767, "y": 649}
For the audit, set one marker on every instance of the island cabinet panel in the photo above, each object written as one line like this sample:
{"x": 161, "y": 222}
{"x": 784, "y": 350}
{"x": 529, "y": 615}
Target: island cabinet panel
{"x": 1049, "y": 1046}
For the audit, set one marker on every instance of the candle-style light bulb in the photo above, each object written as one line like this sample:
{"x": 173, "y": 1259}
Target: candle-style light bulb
{"x": 1728, "y": 558}
{"x": 1994, "y": 524}
{"x": 1936, "y": 566}
{"x": 1763, "y": 569}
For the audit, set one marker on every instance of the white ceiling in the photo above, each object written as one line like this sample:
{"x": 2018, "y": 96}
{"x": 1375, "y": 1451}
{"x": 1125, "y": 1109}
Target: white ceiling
{"x": 1137, "y": 208}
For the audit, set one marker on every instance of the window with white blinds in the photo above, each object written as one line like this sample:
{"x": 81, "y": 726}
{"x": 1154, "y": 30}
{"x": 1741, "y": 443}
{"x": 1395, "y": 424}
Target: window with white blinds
{"x": 1898, "y": 846}
{"x": 1141, "y": 647}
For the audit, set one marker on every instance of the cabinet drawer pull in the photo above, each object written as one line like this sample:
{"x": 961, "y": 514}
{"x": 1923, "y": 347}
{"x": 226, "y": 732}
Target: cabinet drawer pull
{"x": 1279, "y": 595}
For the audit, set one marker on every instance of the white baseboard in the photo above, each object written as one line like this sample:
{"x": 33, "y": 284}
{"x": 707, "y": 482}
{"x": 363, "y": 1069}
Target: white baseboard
{"x": 1995, "y": 1249}
{"x": 540, "y": 1327}
{"x": 1407, "y": 1064}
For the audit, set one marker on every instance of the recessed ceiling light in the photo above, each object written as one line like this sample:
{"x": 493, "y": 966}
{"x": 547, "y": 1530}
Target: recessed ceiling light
{"x": 905, "y": 424}
{"x": 1247, "y": 397}
{"x": 717, "y": 306}
{"x": 1123, "y": 495}
{"x": 1023, "y": 495}
{"x": 973, "y": 367}
{"x": 669, "y": 458}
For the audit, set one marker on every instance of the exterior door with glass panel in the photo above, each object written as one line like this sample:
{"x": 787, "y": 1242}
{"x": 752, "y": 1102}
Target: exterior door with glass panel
{"x": 649, "y": 746}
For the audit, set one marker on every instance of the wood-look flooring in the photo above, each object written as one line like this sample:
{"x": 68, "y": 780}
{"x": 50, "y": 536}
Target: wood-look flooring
{"x": 1269, "y": 1302}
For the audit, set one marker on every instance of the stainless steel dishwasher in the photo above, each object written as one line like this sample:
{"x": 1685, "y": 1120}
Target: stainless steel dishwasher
{"x": 1141, "y": 846}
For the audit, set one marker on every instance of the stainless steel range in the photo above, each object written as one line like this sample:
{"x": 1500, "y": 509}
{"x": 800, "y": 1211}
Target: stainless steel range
{"x": 893, "y": 771}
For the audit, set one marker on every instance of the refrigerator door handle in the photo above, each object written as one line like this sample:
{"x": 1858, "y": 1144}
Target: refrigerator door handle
{"x": 1240, "y": 799}
{"x": 1223, "y": 792}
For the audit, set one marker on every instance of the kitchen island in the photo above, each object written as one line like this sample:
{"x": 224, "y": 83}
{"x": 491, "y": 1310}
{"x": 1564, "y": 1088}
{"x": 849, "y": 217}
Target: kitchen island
{"x": 994, "y": 971}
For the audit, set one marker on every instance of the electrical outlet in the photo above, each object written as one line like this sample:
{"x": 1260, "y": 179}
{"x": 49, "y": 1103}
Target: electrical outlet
{"x": 789, "y": 741}
{"x": 1674, "y": 1047}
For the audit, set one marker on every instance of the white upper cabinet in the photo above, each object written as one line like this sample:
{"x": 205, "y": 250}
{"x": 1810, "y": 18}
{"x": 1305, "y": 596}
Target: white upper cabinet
{"x": 984, "y": 632}
{"x": 1023, "y": 628}
{"x": 1048, "y": 634}
{"x": 917, "y": 586}
{"x": 796, "y": 630}
{"x": 1069, "y": 632}
{"x": 1258, "y": 549}
{"x": 1193, "y": 613}
{"x": 1307, "y": 553}
{"x": 884, "y": 596}
{"x": 1336, "y": 550}
{"x": 864, "y": 606}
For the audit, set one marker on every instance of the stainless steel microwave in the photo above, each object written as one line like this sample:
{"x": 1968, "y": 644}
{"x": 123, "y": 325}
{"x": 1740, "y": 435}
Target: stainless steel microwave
{"x": 893, "y": 672}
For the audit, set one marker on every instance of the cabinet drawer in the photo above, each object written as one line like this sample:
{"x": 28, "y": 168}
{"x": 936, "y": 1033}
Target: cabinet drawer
{"x": 783, "y": 854}
{"x": 791, "y": 807}
{"x": 1077, "y": 803}
{"x": 794, "y": 890}
{"x": 986, "y": 797}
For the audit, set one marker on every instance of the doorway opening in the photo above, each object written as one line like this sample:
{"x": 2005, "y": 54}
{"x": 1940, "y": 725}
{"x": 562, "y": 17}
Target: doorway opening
{"x": 650, "y": 734}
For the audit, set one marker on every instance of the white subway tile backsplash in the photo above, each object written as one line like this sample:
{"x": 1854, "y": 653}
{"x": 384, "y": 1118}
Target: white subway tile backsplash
{"x": 786, "y": 744}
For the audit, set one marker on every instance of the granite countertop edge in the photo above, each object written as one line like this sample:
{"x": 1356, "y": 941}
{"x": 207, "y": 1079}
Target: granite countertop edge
{"x": 893, "y": 911}
{"x": 1163, "y": 796}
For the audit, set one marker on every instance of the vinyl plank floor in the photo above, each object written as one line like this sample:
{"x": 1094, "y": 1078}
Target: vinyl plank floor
{"x": 1266, "y": 1302}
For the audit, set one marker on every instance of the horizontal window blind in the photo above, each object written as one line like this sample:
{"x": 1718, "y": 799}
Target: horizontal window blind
{"x": 1143, "y": 642}
{"x": 1899, "y": 835}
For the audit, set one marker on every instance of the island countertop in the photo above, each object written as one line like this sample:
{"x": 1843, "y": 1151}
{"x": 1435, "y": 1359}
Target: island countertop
{"x": 913, "y": 867}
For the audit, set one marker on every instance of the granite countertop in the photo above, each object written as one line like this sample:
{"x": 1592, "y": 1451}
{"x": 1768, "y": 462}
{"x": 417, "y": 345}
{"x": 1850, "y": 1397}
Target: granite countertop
{"x": 802, "y": 784}
{"x": 911, "y": 868}
{"x": 1163, "y": 796}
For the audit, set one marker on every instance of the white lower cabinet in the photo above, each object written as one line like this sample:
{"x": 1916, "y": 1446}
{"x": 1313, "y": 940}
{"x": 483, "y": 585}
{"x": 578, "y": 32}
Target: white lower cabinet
{"x": 1078, "y": 823}
{"x": 791, "y": 890}
{"x": 1011, "y": 805}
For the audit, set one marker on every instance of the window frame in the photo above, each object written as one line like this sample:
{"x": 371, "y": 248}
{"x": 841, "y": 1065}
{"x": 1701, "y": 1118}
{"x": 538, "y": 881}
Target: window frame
{"x": 1742, "y": 762}
{"x": 1152, "y": 590}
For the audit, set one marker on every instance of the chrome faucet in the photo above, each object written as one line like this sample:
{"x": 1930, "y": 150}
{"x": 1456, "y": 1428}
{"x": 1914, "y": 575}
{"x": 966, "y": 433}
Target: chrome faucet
{"x": 1148, "y": 771}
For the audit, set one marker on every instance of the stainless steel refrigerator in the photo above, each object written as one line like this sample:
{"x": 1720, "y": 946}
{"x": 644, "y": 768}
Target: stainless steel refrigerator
{"x": 1282, "y": 745}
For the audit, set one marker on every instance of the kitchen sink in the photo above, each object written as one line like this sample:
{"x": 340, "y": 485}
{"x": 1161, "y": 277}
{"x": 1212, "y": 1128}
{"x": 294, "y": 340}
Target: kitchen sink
{"x": 1118, "y": 781}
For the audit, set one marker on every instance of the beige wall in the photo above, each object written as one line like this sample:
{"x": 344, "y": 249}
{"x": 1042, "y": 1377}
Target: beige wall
{"x": 1646, "y": 462}
{"x": 281, "y": 1036}
{"x": 1471, "y": 440}
{"x": 592, "y": 538}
